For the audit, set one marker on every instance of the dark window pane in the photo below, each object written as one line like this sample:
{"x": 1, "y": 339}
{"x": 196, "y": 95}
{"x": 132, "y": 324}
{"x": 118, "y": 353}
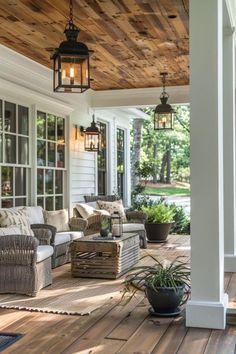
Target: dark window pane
{"x": 20, "y": 181}
{"x": 60, "y": 155}
{"x": 40, "y": 202}
{"x": 59, "y": 203}
{"x": 1, "y": 115}
{"x": 20, "y": 202}
{"x": 41, "y": 153}
{"x": 23, "y": 150}
{"x": 51, "y": 154}
{"x": 60, "y": 130}
{"x": 23, "y": 120}
{"x": 51, "y": 127}
{"x": 7, "y": 181}
{"x": 10, "y": 117}
{"x": 10, "y": 148}
{"x": 49, "y": 181}
{"x": 40, "y": 180}
{"x": 41, "y": 125}
{"x": 101, "y": 183}
{"x": 7, "y": 203}
{"x": 49, "y": 203}
{"x": 59, "y": 182}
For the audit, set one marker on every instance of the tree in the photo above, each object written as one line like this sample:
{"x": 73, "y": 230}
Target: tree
{"x": 137, "y": 125}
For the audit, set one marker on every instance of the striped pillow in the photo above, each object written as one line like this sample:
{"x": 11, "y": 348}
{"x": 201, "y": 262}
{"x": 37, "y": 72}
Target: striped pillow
{"x": 12, "y": 217}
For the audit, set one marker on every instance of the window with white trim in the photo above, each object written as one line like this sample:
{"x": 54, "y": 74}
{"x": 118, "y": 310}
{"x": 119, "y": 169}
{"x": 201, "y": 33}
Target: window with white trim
{"x": 14, "y": 154}
{"x": 120, "y": 143}
{"x": 51, "y": 170}
{"x": 102, "y": 161}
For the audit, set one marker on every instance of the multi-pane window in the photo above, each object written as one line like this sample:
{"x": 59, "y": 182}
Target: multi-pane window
{"x": 102, "y": 162}
{"x": 50, "y": 160}
{"x": 14, "y": 154}
{"x": 120, "y": 141}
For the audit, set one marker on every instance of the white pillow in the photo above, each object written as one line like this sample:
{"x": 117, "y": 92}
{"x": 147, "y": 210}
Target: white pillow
{"x": 58, "y": 218}
{"x": 85, "y": 210}
{"x": 35, "y": 214}
{"x": 13, "y": 230}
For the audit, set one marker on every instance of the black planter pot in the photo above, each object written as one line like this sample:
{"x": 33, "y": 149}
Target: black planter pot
{"x": 104, "y": 232}
{"x": 158, "y": 232}
{"x": 165, "y": 301}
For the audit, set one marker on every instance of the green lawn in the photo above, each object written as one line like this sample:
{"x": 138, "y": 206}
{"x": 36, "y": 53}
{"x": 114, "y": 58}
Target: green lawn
{"x": 169, "y": 191}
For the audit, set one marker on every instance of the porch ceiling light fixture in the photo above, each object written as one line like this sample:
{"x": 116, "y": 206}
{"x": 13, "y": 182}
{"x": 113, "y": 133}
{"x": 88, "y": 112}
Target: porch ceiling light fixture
{"x": 92, "y": 137}
{"x": 163, "y": 113}
{"x": 71, "y": 72}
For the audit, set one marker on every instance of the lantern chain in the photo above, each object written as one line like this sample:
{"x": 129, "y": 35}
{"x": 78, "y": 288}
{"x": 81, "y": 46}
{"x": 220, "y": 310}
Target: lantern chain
{"x": 71, "y": 11}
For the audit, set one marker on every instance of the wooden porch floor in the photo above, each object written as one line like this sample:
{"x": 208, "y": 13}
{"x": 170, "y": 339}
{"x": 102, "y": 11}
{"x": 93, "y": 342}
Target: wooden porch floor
{"x": 118, "y": 328}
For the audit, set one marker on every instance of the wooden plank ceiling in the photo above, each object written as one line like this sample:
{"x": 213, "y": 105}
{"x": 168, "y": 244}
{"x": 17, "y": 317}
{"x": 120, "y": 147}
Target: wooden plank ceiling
{"x": 133, "y": 40}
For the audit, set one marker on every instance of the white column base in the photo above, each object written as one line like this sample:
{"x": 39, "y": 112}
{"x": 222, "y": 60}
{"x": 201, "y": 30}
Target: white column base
{"x": 230, "y": 263}
{"x": 207, "y": 314}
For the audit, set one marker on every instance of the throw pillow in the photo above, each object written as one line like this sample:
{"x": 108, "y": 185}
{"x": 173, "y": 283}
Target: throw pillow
{"x": 14, "y": 230}
{"x": 57, "y": 218}
{"x": 102, "y": 212}
{"x": 111, "y": 207}
{"x": 85, "y": 210}
{"x": 13, "y": 217}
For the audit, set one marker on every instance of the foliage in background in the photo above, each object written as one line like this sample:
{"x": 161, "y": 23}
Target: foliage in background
{"x": 159, "y": 146}
{"x": 181, "y": 225}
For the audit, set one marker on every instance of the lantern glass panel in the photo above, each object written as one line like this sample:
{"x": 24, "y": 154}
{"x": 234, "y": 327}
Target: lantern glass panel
{"x": 74, "y": 71}
{"x": 163, "y": 120}
{"x": 92, "y": 142}
{"x": 116, "y": 225}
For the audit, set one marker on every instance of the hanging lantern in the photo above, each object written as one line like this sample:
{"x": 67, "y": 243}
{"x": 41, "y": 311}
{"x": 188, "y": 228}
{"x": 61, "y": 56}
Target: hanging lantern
{"x": 92, "y": 137}
{"x": 71, "y": 71}
{"x": 163, "y": 113}
{"x": 116, "y": 224}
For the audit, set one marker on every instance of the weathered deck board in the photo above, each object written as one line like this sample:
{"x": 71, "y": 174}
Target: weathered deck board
{"x": 120, "y": 328}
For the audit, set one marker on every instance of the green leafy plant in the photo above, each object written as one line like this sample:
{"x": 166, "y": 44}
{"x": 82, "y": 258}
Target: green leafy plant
{"x": 159, "y": 213}
{"x": 160, "y": 275}
{"x": 105, "y": 222}
{"x": 182, "y": 221}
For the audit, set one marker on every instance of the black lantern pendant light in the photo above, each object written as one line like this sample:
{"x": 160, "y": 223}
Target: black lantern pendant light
{"x": 92, "y": 139}
{"x": 163, "y": 113}
{"x": 71, "y": 71}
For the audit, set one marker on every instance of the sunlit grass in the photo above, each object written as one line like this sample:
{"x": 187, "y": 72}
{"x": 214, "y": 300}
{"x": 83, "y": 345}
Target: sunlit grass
{"x": 168, "y": 191}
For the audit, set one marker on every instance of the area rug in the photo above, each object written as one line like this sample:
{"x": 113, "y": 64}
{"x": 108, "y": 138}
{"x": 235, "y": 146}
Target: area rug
{"x": 6, "y": 339}
{"x": 67, "y": 295}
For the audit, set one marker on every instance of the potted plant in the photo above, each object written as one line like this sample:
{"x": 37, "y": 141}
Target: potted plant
{"x": 159, "y": 221}
{"x": 166, "y": 285}
{"x": 105, "y": 226}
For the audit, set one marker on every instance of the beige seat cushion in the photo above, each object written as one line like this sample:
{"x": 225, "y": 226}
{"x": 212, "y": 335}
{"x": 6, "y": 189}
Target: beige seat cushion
{"x": 11, "y": 230}
{"x": 133, "y": 227}
{"x": 16, "y": 217}
{"x": 43, "y": 252}
{"x": 111, "y": 207}
{"x": 57, "y": 218}
{"x": 85, "y": 210}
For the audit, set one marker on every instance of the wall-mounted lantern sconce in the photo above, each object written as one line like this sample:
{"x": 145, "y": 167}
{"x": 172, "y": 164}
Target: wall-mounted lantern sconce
{"x": 163, "y": 113}
{"x": 92, "y": 137}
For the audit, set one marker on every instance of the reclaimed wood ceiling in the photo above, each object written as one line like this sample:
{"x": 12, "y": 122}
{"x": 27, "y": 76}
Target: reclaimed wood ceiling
{"x": 133, "y": 40}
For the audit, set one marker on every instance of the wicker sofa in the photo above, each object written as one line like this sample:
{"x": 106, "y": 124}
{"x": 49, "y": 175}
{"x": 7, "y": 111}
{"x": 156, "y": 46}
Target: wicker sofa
{"x": 48, "y": 234}
{"x": 135, "y": 219}
{"x": 25, "y": 266}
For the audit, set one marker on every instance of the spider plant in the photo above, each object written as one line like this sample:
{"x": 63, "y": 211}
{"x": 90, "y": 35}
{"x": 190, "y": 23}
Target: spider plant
{"x": 158, "y": 276}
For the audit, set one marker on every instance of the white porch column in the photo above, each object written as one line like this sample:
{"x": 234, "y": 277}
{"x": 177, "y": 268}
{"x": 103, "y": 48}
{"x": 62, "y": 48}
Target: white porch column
{"x": 207, "y": 306}
{"x": 229, "y": 150}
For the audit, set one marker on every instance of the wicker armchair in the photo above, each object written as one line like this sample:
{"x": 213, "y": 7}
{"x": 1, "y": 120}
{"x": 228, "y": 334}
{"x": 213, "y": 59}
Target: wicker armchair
{"x": 46, "y": 234}
{"x": 135, "y": 219}
{"x": 21, "y": 270}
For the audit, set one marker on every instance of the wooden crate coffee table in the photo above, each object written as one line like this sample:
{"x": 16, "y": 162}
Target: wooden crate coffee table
{"x": 104, "y": 258}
